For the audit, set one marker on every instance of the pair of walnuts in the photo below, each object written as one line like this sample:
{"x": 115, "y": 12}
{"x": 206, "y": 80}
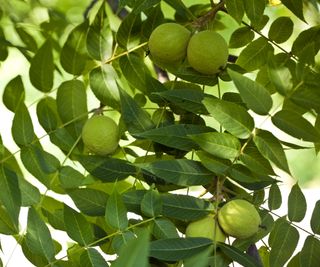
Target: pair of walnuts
{"x": 206, "y": 51}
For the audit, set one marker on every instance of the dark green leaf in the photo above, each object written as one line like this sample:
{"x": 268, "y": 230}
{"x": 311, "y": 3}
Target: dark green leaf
{"x": 132, "y": 200}
{"x": 128, "y": 29}
{"x": 144, "y": 5}
{"x": 116, "y": 212}
{"x": 77, "y": 227}
{"x": 73, "y": 57}
{"x": 315, "y": 219}
{"x": 297, "y": 205}
{"x": 241, "y": 37}
{"x": 180, "y": 8}
{"x": 22, "y": 127}
{"x": 3, "y": 46}
{"x": 283, "y": 240}
{"x": 252, "y": 93}
{"x": 103, "y": 84}
{"x": 47, "y": 113}
{"x": 295, "y": 125}
{"x": 255, "y": 54}
{"x": 13, "y": 94}
{"x": 274, "y": 200}
{"x": 89, "y": 201}
{"x": 234, "y": 118}
{"x": 270, "y": 147}
{"x": 107, "y": 169}
{"x": 184, "y": 207}
{"x": 201, "y": 259}
{"x": 182, "y": 172}
{"x": 92, "y": 258}
{"x": 151, "y": 204}
{"x": 7, "y": 227}
{"x": 53, "y": 211}
{"x": 254, "y": 10}
{"x": 214, "y": 164}
{"x": 42, "y": 68}
{"x": 295, "y": 261}
{"x": 174, "y": 249}
{"x": 281, "y": 29}
{"x": 26, "y": 38}
{"x": 136, "y": 119}
{"x": 221, "y": 145}
{"x": 30, "y": 195}
{"x": 309, "y": 255}
{"x": 38, "y": 237}
{"x": 236, "y": 9}
{"x": 296, "y": 6}
{"x": 175, "y": 136}
{"x": 163, "y": 228}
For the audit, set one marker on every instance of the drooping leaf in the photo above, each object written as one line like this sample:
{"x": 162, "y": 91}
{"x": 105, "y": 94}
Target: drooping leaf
{"x": 283, "y": 240}
{"x": 236, "y": 9}
{"x": 221, "y": 145}
{"x": 270, "y": 147}
{"x": 297, "y": 205}
{"x": 74, "y": 55}
{"x": 254, "y": 10}
{"x": 281, "y": 29}
{"x": 182, "y": 172}
{"x": 184, "y": 207}
{"x": 252, "y": 93}
{"x": 255, "y": 54}
{"x": 309, "y": 255}
{"x": 103, "y": 84}
{"x": 296, "y": 6}
{"x": 241, "y": 37}
{"x": 231, "y": 116}
{"x": 38, "y": 237}
{"x": 151, "y": 204}
{"x": 42, "y": 68}
{"x": 14, "y": 93}
{"x": 174, "y": 249}
{"x": 295, "y": 125}
{"x": 275, "y": 199}
{"x": 92, "y": 258}
{"x": 315, "y": 219}
{"x": 164, "y": 228}
{"x": 116, "y": 212}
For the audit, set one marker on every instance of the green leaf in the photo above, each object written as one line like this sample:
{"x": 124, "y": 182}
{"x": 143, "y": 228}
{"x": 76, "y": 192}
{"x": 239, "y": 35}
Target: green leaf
{"x": 255, "y": 54}
{"x": 99, "y": 38}
{"x": 151, "y": 204}
{"x": 234, "y": 118}
{"x": 7, "y": 226}
{"x": 136, "y": 119}
{"x": 38, "y": 237}
{"x": 42, "y": 68}
{"x": 26, "y": 38}
{"x": 184, "y": 207}
{"x": 30, "y": 195}
{"x": 254, "y": 10}
{"x": 309, "y": 255}
{"x": 164, "y": 228}
{"x": 236, "y": 9}
{"x": 241, "y": 37}
{"x": 22, "y": 127}
{"x": 270, "y": 147}
{"x": 201, "y": 259}
{"x": 70, "y": 178}
{"x": 297, "y": 205}
{"x": 214, "y": 164}
{"x": 221, "y": 145}
{"x": 135, "y": 253}
{"x": 77, "y": 227}
{"x": 116, "y": 212}
{"x": 174, "y": 249}
{"x": 53, "y": 211}
{"x": 107, "y": 169}
{"x": 74, "y": 55}
{"x": 296, "y": 6}
{"x": 10, "y": 196}
{"x": 252, "y": 93}
{"x": 315, "y": 219}
{"x": 284, "y": 241}
{"x": 103, "y": 84}
{"x": 3, "y": 46}
{"x": 281, "y": 29}
{"x": 180, "y": 8}
{"x": 132, "y": 200}
{"x": 89, "y": 201}
{"x": 72, "y": 105}
{"x": 274, "y": 200}
{"x": 47, "y": 114}
{"x": 14, "y": 93}
{"x": 129, "y": 28}
{"x": 176, "y": 136}
{"x": 238, "y": 256}
{"x": 182, "y": 172}
{"x": 135, "y": 71}
{"x": 295, "y": 125}
{"x": 92, "y": 258}
{"x": 144, "y": 5}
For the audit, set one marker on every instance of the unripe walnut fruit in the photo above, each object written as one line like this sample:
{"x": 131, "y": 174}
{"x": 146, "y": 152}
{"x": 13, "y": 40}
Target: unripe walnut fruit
{"x": 207, "y": 52}
{"x": 206, "y": 227}
{"x": 100, "y": 134}
{"x": 239, "y": 218}
{"x": 168, "y": 43}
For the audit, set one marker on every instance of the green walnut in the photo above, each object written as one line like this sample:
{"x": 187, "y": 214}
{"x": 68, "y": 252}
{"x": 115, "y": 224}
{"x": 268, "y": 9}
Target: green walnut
{"x": 207, "y": 52}
{"x": 206, "y": 227}
{"x": 239, "y": 218}
{"x": 100, "y": 134}
{"x": 168, "y": 43}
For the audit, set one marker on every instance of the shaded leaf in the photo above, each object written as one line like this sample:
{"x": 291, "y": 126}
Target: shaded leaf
{"x": 241, "y": 37}
{"x": 296, "y": 6}
{"x": 47, "y": 114}
{"x": 200, "y": 259}
{"x": 128, "y": 29}
{"x": 280, "y": 77}
{"x": 254, "y": 10}
{"x": 7, "y": 226}
{"x": 236, "y": 9}
{"x": 92, "y": 258}
{"x": 164, "y": 228}
{"x": 151, "y": 204}
{"x": 315, "y": 219}
{"x": 275, "y": 199}
{"x": 70, "y": 178}
{"x": 14, "y": 93}
{"x": 281, "y": 29}
{"x": 214, "y": 164}
{"x": 309, "y": 255}
{"x": 297, "y": 205}
{"x": 122, "y": 240}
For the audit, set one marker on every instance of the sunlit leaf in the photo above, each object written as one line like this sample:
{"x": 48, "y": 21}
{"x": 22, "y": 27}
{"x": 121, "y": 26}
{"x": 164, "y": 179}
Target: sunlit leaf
{"x": 128, "y": 30}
